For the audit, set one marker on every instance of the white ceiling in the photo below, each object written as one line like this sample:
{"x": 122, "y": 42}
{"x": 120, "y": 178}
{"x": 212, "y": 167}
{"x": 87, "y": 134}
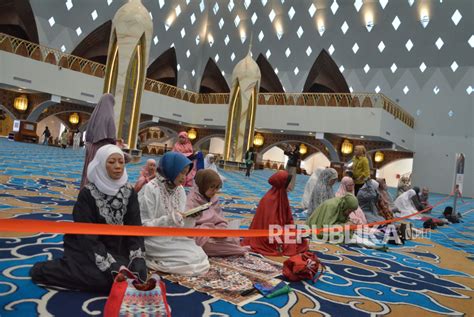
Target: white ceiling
{"x": 458, "y": 39}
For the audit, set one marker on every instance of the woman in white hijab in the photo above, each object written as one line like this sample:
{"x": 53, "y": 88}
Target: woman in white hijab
{"x": 210, "y": 163}
{"x": 407, "y": 203}
{"x": 308, "y": 188}
{"x": 90, "y": 261}
{"x": 322, "y": 190}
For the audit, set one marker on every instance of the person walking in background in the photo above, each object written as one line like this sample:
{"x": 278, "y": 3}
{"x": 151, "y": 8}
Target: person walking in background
{"x": 294, "y": 158}
{"x": 100, "y": 131}
{"x": 46, "y": 134}
{"x": 64, "y": 136}
{"x": 360, "y": 168}
{"x": 249, "y": 160}
{"x": 77, "y": 140}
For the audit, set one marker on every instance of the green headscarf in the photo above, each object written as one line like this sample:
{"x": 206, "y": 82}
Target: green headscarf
{"x": 331, "y": 212}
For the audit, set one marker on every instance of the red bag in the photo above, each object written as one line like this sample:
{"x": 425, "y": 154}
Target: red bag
{"x": 303, "y": 266}
{"x": 129, "y": 297}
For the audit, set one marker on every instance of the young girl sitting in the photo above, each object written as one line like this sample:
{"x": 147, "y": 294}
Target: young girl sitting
{"x": 161, "y": 205}
{"x": 207, "y": 184}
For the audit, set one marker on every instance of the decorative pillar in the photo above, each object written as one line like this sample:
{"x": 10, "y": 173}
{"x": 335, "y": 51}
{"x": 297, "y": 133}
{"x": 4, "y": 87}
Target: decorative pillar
{"x": 127, "y": 60}
{"x": 242, "y": 109}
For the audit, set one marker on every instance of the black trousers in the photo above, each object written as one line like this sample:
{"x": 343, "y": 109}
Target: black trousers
{"x": 249, "y": 167}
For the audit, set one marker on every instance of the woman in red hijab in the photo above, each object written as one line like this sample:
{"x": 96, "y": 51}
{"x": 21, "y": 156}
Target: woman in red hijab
{"x": 274, "y": 209}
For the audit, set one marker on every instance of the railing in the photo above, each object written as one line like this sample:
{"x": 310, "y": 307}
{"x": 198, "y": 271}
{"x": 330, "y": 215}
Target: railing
{"x": 365, "y": 100}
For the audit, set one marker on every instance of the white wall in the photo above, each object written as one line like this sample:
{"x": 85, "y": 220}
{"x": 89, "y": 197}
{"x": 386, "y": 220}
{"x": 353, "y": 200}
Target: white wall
{"x": 275, "y": 154}
{"x": 314, "y": 161}
{"x": 216, "y": 145}
{"x": 400, "y": 167}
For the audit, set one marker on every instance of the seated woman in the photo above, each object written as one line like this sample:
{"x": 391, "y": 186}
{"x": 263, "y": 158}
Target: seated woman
{"x": 308, "y": 188}
{"x": 334, "y": 211}
{"x": 185, "y": 147}
{"x": 347, "y": 187}
{"x": 385, "y": 204}
{"x": 408, "y": 203}
{"x": 368, "y": 198}
{"x": 89, "y": 260}
{"x": 210, "y": 163}
{"x": 207, "y": 184}
{"x": 274, "y": 209}
{"x": 161, "y": 205}
{"x": 404, "y": 184}
{"x": 323, "y": 189}
{"x": 424, "y": 196}
{"x": 147, "y": 174}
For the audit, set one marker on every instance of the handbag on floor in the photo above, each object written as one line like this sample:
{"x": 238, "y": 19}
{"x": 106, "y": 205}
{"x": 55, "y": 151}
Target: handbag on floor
{"x": 130, "y": 297}
{"x": 303, "y": 266}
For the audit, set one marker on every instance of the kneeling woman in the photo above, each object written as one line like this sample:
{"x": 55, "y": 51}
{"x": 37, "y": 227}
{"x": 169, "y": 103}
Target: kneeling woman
{"x": 162, "y": 204}
{"x": 334, "y": 211}
{"x": 90, "y": 261}
{"x": 207, "y": 184}
{"x": 274, "y": 209}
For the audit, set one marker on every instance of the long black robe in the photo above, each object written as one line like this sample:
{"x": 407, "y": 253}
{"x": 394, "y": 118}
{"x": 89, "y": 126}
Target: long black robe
{"x": 89, "y": 261}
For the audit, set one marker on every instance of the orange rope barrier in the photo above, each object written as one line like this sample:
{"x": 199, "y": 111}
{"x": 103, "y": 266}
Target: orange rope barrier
{"x": 34, "y": 226}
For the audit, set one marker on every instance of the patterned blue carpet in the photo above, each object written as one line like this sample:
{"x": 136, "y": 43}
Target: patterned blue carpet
{"x": 426, "y": 276}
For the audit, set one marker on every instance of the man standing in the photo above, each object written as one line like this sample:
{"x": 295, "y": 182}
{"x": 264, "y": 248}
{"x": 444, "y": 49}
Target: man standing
{"x": 46, "y": 134}
{"x": 294, "y": 158}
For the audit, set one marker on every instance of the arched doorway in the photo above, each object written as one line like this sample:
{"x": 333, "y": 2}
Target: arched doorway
{"x": 391, "y": 170}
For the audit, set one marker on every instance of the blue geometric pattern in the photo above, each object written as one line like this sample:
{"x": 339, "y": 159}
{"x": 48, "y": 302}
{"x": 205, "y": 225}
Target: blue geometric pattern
{"x": 417, "y": 276}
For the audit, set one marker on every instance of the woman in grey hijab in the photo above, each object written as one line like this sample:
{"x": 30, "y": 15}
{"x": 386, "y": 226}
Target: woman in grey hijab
{"x": 100, "y": 131}
{"x": 368, "y": 197}
{"x": 323, "y": 189}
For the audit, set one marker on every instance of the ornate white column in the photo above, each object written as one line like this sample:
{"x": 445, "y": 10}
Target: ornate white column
{"x": 127, "y": 61}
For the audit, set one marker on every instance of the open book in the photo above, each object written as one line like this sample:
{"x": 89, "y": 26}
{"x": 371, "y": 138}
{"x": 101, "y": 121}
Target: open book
{"x": 197, "y": 209}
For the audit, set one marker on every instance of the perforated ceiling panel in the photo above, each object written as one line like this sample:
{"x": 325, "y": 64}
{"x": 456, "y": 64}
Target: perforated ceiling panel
{"x": 361, "y": 36}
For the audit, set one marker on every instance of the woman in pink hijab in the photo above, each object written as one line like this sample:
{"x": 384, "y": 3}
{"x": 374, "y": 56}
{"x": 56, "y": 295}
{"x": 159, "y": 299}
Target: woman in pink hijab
{"x": 185, "y": 147}
{"x": 147, "y": 173}
{"x": 347, "y": 186}
{"x": 207, "y": 184}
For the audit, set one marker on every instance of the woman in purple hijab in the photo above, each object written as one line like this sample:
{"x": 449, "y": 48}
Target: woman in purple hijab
{"x": 100, "y": 130}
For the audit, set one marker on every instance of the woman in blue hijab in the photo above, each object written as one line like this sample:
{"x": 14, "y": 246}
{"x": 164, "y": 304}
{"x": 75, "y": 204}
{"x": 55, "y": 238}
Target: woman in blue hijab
{"x": 161, "y": 205}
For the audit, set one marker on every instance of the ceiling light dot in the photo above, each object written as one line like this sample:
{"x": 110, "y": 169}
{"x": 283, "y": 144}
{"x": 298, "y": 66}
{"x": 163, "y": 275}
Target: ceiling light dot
{"x": 193, "y": 72}
{"x": 409, "y": 45}
{"x": 454, "y": 66}
{"x": 268, "y": 53}
{"x": 216, "y": 58}
{"x": 381, "y": 46}
{"x": 260, "y": 36}
{"x": 383, "y": 3}
{"x": 341, "y": 68}
{"x": 192, "y": 18}
{"x": 272, "y": 15}
{"x": 439, "y": 43}
{"x": 309, "y": 51}
{"x": 291, "y": 13}
{"x": 312, "y": 10}
{"x": 183, "y": 32}
{"x": 94, "y": 15}
{"x": 221, "y": 23}
{"x": 254, "y": 18}
{"x": 287, "y": 52}
{"x": 366, "y": 68}
{"x": 231, "y": 5}
{"x": 344, "y": 27}
{"x": 247, "y": 4}
{"x": 358, "y": 4}
{"x": 300, "y": 32}
{"x": 296, "y": 71}
{"x": 78, "y": 31}
{"x": 232, "y": 56}
{"x": 334, "y": 7}
{"x": 188, "y": 53}
{"x": 51, "y": 21}
{"x": 469, "y": 90}
{"x": 456, "y": 17}
{"x": 237, "y": 21}
{"x": 436, "y": 90}
{"x": 377, "y": 89}
{"x": 406, "y": 90}
{"x": 177, "y": 10}
{"x": 155, "y": 40}
{"x": 215, "y": 8}
{"x": 226, "y": 40}
{"x": 63, "y": 48}
{"x": 331, "y": 49}
{"x": 422, "y": 67}
{"x": 450, "y": 113}
{"x": 396, "y": 23}
{"x": 471, "y": 41}
{"x": 276, "y": 70}
{"x": 355, "y": 48}
{"x": 69, "y": 5}
{"x": 393, "y": 68}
